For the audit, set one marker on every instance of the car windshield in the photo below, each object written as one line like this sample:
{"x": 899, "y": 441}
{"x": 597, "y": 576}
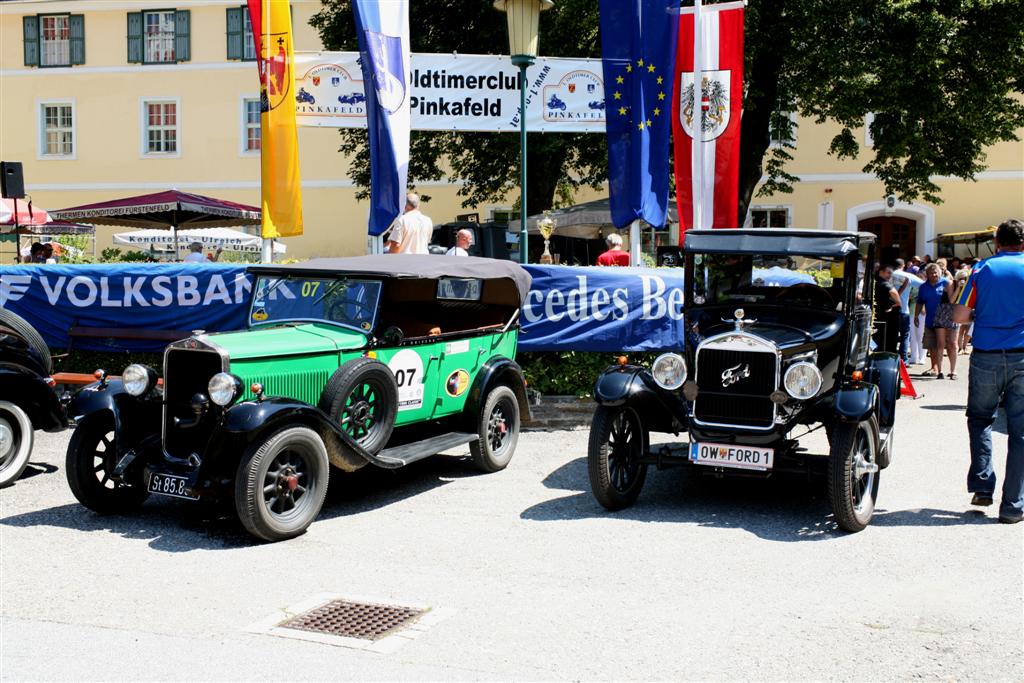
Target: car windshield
{"x": 770, "y": 278}
{"x": 340, "y": 301}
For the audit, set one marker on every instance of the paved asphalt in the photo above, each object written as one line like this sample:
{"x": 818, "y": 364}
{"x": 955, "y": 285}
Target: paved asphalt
{"x": 702, "y": 579}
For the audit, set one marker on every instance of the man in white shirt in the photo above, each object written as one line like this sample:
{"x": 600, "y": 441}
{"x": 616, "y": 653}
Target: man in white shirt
{"x": 412, "y": 230}
{"x": 195, "y": 254}
{"x": 463, "y": 241}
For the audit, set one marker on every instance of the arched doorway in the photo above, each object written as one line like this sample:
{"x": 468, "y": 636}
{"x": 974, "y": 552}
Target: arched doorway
{"x": 897, "y": 236}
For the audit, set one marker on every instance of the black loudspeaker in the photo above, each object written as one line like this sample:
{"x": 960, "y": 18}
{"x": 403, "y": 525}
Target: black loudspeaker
{"x": 670, "y": 256}
{"x": 12, "y": 182}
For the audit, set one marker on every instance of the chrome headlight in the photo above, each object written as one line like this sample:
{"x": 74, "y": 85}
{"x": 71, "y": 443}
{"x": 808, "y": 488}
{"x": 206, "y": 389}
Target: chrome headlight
{"x": 802, "y": 380}
{"x": 224, "y": 388}
{"x": 138, "y": 379}
{"x": 669, "y": 371}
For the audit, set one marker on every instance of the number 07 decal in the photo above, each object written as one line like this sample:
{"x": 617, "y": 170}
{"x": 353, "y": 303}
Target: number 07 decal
{"x": 407, "y": 367}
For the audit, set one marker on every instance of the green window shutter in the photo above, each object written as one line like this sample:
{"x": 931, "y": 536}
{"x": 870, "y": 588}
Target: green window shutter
{"x": 76, "y": 24}
{"x": 182, "y": 37}
{"x": 234, "y": 32}
{"x": 30, "y": 29}
{"x": 135, "y": 38}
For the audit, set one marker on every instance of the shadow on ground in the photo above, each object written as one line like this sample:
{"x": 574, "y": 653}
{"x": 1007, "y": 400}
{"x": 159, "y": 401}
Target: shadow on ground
{"x": 779, "y": 508}
{"x": 172, "y": 525}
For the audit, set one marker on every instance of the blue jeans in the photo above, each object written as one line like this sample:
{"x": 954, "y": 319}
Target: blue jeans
{"x": 904, "y": 335}
{"x": 993, "y": 376}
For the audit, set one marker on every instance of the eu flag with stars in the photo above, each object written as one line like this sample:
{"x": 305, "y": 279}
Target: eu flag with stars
{"x": 638, "y": 47}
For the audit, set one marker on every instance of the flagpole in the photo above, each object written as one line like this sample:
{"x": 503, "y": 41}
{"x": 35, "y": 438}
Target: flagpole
{"x": 697, "y": 166}
{"x": 267, "y": 251}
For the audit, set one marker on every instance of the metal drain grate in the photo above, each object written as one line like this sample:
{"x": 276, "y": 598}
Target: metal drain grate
{"x": 354, "y": 619}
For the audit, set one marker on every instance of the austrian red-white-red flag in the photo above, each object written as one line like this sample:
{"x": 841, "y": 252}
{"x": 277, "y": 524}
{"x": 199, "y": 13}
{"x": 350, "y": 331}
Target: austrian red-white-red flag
{"x": 720, "y": 97}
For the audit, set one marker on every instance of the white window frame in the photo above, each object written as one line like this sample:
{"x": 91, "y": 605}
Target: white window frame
{"x": 243, "y": 121}
{"x": 493, "y": 209}
{"x": 788, "y": 208}
{"x": 160, "y": 36}
{"x": 66, "y": 53}
{"x": 248, "y": 39}
{"x": 41, "y": 153}
{"x": 869, "y": 141}
{"x": 144, "y": 152}
{"x": 773, "y": 143}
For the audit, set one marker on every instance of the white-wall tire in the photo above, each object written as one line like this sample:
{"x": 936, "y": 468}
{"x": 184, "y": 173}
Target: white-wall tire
{"x": 16, "y": 436}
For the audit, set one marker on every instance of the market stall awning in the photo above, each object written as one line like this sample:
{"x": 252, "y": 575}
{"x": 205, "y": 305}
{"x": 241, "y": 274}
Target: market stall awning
{"x": 211, "y": 238}
{"x": 590, "y": 220}
{"x": 164, "y": 210}
{"x": 20, "y": 212}
{"x": 966, "y": 237}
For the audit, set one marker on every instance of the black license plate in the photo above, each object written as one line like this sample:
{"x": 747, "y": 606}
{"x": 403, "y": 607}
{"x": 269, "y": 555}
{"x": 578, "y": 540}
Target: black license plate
{"x": 170, "y": 485}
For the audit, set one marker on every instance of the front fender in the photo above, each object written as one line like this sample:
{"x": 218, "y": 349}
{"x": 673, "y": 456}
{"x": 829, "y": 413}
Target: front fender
{"x": 632, "y": 385}
{"x": 30, "y": 392}
{"x": 135, "y": 418}
{"x": 884, "y": 372}
{"x": 250, "y": 422}
{"x": 856, "y": 402}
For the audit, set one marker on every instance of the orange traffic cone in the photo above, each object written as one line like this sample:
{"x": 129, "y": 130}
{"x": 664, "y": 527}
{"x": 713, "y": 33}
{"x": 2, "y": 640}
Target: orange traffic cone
{"x": 906, "y": 386}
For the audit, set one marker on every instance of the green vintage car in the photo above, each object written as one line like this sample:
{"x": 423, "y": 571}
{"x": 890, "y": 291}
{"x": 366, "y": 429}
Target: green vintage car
{"x": 380, "y": 360}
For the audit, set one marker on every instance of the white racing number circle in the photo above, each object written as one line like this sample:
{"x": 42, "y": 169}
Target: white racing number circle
{"x": 407, "y": 367}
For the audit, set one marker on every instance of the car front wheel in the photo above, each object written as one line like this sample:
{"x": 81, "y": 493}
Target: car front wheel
{"x": 617, "y": 439}
{"x": 15, "y": 442}
{"x": 497, "y": 429}
{"x": 89, "y": 466}
{"x": 853, "y": 473}
{"x": 281, "y": 483}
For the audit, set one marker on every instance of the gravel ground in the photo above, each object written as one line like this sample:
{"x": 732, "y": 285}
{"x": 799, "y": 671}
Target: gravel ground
{"x": 702, "y": 579}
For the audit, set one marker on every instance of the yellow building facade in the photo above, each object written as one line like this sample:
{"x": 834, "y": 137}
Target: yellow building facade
{"x": 104, "y": 99}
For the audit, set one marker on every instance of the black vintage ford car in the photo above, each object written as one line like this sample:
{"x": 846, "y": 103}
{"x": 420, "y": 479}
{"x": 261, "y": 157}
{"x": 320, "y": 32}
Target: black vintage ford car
{"x": 778, "y": 333}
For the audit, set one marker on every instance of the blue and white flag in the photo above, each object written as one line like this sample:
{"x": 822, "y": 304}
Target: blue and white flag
{"x": 383, "y": 30}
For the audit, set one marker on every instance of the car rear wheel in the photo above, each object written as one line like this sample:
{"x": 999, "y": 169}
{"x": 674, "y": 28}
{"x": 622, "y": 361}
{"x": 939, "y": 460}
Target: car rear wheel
{"x": 362, "y": 397}
{"x": 617, "y": 439}
{"x": 89, "y": 466}
{"x": 281, "y": 484}
{"x": 853, "y": 473}
{"x": 498, "y": 430}
{"x": 16, "y": 436}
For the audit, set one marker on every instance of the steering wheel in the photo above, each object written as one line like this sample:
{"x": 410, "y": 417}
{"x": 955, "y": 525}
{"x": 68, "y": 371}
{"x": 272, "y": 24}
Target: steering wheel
{"x": 335, "y": 309}
{"x": 807, "y": 292}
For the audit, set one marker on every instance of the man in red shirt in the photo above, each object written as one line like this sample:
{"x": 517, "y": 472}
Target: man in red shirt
{"x": 614, "y": 256}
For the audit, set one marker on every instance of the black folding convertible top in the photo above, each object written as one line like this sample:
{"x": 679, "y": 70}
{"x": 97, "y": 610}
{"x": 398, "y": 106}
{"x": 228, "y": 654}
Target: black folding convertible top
{"x": 406, "y": 266}
{"x": 772, "y": 241}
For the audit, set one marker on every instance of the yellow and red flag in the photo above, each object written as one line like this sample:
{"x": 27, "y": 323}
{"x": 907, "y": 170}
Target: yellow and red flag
{"x": 281, "y": 181}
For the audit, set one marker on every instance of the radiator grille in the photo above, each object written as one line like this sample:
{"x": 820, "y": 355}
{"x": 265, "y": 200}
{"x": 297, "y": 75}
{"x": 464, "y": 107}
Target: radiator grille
{"x": 743, "y": 403}
{"x": 187, "y": 372}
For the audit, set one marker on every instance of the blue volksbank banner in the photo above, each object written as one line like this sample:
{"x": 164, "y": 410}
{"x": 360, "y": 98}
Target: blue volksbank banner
{"x": 568, "y": 308}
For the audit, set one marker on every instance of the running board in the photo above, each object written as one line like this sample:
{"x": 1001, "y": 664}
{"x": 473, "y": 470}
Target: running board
{"x": 406, "y": 454}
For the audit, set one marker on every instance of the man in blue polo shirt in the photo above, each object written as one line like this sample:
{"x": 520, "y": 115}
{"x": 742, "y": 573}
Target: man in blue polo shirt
{"x": 994, "y": 291}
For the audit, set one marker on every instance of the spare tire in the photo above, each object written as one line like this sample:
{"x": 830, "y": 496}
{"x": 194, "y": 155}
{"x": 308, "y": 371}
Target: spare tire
{"x": 362, "y": 398}
{"x": 24, "y": 330}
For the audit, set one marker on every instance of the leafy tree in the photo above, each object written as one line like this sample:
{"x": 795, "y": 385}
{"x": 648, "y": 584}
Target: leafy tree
{"x": 943, "y": 77}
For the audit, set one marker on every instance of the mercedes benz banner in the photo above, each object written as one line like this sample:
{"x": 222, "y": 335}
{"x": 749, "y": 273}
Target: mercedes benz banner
{"x": 567, "y": 308}
{"x": 458, "y": 92}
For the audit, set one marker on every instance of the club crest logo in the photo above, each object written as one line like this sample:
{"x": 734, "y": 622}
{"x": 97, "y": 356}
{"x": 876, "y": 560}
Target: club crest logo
{"x": 388, "y": 72}
{"x": 277, "y": 71}
{"x": 715, "y": 101}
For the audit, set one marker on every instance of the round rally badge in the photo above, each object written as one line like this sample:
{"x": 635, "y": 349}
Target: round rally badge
{"x": 259, "y": 315}
{"x": 457, "y": 383}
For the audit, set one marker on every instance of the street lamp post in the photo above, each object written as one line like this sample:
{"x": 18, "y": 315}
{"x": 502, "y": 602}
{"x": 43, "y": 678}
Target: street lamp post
{"x": 523, "y": 32}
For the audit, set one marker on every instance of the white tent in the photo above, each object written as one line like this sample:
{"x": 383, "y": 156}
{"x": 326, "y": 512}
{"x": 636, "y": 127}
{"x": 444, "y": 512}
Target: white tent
{"x": 211, "y": 238}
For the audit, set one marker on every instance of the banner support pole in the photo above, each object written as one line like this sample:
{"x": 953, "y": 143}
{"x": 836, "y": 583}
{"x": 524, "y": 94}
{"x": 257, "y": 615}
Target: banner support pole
{"x": 697, "y": 167}
{"x": 634, "y": 243}
{"x": 267, "y": 251}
